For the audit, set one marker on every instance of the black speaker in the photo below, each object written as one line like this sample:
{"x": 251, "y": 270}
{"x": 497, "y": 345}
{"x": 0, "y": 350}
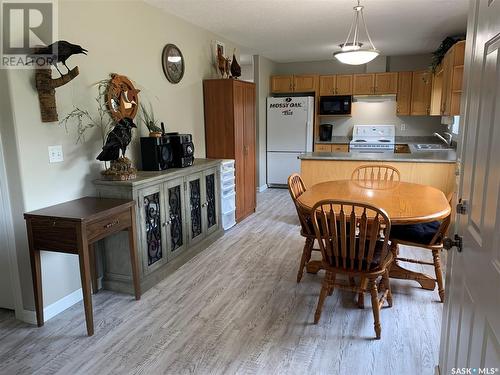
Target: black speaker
{"x": 182, "y": 149}
{"x": 156, "y": 153}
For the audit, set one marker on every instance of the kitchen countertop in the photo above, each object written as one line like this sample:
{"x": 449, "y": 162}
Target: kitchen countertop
{"x": 336, "y": 140}
{"x": 443, "y": 156}
{"x": 449, "y": 156}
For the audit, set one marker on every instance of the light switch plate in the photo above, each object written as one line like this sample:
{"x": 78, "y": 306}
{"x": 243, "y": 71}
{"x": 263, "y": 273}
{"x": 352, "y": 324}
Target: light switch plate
{"x": 56, "y": 154}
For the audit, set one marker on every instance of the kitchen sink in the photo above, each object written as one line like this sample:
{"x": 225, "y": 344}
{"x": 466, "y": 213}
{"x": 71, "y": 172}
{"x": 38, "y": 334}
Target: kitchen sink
{"x": 432, "y": 147}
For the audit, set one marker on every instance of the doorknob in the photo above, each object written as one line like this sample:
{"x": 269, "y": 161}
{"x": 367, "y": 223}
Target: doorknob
{"x": 457, "y": 242}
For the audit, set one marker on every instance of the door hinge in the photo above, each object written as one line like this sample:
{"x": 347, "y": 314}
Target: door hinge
{"x": 457, "y": 242}
{"x": 462, "y": 207}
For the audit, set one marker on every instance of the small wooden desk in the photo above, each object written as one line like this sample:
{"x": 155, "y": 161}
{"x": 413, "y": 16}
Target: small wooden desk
{"x": 404, "y": 202}
{"x": 72, "y": 228}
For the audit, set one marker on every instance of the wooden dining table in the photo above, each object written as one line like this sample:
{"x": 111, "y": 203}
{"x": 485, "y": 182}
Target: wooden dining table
{"x": 404, "y": 202}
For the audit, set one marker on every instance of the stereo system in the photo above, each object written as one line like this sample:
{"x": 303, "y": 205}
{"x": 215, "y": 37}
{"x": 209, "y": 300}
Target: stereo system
{"x": 171, "y": 150}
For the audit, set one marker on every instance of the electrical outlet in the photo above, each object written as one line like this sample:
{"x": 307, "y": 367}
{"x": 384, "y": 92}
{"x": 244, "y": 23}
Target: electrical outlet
{"x": 55, "y": 154}
{"x": 403, "y": 127}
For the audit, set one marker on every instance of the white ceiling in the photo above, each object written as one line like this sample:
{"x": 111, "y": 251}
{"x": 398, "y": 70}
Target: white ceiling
{"x": 307, "y": 30}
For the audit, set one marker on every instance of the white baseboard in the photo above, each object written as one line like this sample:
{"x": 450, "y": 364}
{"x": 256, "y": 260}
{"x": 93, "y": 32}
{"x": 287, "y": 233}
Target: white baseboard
{"x": 53, "y": 309}
{"x": 262, "y": 188}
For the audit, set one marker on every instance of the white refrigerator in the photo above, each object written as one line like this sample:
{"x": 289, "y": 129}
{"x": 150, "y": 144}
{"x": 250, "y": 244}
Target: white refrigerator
{"x": 289, "y": 133}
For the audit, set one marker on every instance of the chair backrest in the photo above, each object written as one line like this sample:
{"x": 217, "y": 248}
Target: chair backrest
{"x": 371, "y": 174}
{"x": 348, "y": 234}
{"x": 296, "y": 187}
{"x": 445, "y": 224}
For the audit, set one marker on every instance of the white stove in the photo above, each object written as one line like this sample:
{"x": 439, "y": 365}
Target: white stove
{"x": 373, "y": 138}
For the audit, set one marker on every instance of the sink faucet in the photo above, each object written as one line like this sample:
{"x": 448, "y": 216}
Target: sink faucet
{"x": 448, "y": 135}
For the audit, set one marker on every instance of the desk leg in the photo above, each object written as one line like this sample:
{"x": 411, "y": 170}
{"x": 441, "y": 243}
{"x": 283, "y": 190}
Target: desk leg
{"x": 93, "y": 267}
{"x": 36, "y": 275}
{"x": 133, "y": 255}
{"x": 83, "y": 255}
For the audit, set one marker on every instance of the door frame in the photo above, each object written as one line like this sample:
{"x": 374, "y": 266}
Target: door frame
{"x": 6, "y": 212}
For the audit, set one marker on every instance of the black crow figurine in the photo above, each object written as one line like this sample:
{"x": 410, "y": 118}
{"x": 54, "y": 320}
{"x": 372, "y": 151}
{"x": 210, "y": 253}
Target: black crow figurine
{"x": 59, "y": 51}
{"x": 118, "y": 139}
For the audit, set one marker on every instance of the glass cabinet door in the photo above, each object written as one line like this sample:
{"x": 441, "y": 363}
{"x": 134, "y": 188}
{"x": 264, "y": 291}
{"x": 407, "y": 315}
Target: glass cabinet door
{"x": 211, "y": 209}
{"x": 175, "y": 217}
{"x": 151, "y": 228}
{"x": 194, "y": 212}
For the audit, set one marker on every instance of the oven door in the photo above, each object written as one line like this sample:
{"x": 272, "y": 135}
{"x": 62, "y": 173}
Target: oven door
{"x": 335, "y": 105}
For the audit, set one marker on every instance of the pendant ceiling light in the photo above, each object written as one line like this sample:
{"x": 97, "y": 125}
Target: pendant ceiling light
{"x": 353, "y": 53}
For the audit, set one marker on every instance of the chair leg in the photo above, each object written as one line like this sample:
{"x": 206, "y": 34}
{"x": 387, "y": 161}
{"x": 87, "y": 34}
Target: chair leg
{"x": 326, "y": 286}
{"x": 375, "y": 307}
{"x": 361, "y": 295}
{"x": 306, "y": 256}
{"x": 439, "y": 273}
{"x": 387, "y": 286}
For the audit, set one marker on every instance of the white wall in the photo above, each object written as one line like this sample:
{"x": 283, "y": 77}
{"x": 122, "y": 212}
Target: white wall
{"x": 393, "y": 64}
{"x": 247, "y": 72}
{"x": 264, "y": 69}
{"x": 125, "y": 37}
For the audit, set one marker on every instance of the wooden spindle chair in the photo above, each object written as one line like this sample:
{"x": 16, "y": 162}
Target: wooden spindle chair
{"x": 296, "y": 187}
{"x": 426, "y": 236}
{"x": 348, "y": 234}
{"x": 376, "y": 175}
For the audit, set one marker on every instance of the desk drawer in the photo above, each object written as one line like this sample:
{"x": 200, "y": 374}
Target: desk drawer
{"x": 104, "y": 227}
{"x": 54, "y": 234}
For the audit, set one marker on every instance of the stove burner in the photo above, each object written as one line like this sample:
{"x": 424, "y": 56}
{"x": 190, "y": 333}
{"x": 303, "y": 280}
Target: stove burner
{"x": 384, "y": 140}
{"x": 360, "y": 140}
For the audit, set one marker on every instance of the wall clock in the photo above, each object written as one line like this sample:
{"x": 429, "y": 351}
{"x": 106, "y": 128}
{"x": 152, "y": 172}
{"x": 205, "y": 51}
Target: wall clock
{"x": 173, "y": 63}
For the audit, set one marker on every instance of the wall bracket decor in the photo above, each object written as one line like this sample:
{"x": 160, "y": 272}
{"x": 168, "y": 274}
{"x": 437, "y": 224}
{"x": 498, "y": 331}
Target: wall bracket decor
{"x": 43, "y": 58}
{"x": 122, "y": 98}
{"x": 46, "y": 87}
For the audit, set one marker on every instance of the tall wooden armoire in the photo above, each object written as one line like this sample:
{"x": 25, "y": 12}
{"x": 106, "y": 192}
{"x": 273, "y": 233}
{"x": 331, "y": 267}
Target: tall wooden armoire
{"x": 230, "y": 134}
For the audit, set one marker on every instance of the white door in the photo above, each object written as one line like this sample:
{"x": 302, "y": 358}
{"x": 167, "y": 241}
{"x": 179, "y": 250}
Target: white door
{"x": 289, "y": 125}
{"x": 6, "y": 276}
{"x": 280, "y": 165}
{"x": 471, "y": 317}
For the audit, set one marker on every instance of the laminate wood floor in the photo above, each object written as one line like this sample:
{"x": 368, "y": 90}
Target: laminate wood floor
{"x": 234, "y": 309}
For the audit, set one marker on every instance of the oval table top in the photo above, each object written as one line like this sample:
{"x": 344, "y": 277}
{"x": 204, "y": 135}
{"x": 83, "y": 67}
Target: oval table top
{"x": 404, "y": 202}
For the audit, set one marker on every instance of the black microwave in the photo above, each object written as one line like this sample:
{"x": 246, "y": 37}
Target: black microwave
{"x": 335, "y": 105}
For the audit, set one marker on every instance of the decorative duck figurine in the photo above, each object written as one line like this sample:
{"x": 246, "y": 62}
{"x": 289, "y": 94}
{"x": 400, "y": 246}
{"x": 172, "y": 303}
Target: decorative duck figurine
{"x": 235, "y": 67}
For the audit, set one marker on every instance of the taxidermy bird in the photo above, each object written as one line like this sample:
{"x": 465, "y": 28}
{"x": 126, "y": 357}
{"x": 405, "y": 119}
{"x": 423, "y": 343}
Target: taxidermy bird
{"x": 59, "y": 52}
{"x": 235, "y": 67}
{"x": 118, "y": 139}
{"x": 221, "y": 63}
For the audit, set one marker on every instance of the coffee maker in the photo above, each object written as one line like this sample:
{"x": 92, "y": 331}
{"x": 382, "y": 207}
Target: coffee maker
{"x": 325, "y": 132}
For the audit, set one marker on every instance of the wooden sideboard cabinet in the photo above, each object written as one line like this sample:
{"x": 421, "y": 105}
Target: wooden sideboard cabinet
{"x": 178, "y": 214}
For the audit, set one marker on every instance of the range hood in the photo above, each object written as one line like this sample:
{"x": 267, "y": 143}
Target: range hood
{"x": 374, "y": 98}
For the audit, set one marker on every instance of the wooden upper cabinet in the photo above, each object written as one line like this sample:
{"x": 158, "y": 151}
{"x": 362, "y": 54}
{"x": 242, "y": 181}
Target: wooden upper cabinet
{"x": 343, "y": 84}
{"x": 340, "y": 84}
{"x": 282, "y": 84}
{"x": 327, "y": 85}
{"x": 404, "y": 94}
{"x": 437, "y": 93}
{"x": 305, "y": 83}
{"x": 294, "y": 83}
{"x": 363, "y": 84}
{"x": 386, "y": 83}
{"x": 453, "y": 70}
{"x": 421, "y": 93}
